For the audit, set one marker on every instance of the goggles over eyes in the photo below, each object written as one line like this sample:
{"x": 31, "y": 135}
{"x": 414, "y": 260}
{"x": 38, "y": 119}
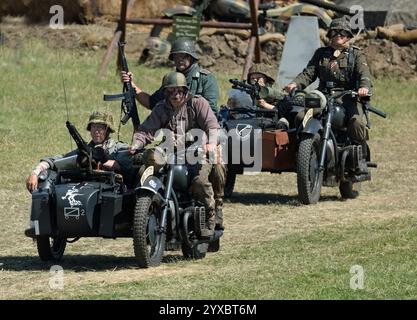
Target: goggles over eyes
{"x": 175, "y": 91}
{"x": 342, "y": 33}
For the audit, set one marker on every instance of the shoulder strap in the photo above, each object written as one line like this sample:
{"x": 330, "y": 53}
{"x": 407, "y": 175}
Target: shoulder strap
{"x": 351, "y": 62}
{"x": 204, "y": 71}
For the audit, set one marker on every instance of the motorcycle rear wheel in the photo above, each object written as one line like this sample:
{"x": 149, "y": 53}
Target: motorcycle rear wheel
{"x": 148, "y": 241}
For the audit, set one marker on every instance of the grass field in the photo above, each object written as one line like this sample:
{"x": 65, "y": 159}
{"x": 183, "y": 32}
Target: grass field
{"x": 273, "y": 247}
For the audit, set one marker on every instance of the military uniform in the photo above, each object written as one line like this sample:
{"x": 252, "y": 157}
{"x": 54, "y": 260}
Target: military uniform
{"x": 200, "y": 81}
{"x": 274, "y": 95}
{"x": 110, "y": 146}
{"x": 346, "y": 69}
{"x": 194, "y": 114}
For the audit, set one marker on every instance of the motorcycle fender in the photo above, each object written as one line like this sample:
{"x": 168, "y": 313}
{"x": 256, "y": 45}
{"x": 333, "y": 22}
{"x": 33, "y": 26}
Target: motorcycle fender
{"x": 152, "y": 184}
{"x": 40, "y": 216}
{"x": 330, "y": 154}
{"x": 312, "y": 126}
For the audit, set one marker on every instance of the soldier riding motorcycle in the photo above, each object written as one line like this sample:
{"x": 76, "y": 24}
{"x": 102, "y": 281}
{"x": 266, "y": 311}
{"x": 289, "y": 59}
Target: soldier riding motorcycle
{"x": 339, "y": 67}
{"x": 175, "y": 206}
{"x": 326, "y": 154}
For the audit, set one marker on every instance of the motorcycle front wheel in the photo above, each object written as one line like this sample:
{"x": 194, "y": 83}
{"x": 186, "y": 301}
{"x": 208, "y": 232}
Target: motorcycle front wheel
{"x": 309, "y": 178}
{"x": 148, "y": 240}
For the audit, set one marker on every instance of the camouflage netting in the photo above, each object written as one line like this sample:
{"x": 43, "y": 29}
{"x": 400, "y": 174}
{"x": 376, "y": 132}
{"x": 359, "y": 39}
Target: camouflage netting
{"x": 81, "y": 11}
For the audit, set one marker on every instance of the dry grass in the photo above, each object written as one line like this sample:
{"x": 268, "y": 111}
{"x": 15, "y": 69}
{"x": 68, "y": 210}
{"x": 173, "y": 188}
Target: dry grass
{"x": 264, "y": 219}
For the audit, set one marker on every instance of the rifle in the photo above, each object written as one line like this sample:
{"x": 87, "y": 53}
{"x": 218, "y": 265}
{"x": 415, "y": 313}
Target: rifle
{"x": 128, "y": 105}
{"x": 253, "y": 90}
{"x": 86, "y": 154}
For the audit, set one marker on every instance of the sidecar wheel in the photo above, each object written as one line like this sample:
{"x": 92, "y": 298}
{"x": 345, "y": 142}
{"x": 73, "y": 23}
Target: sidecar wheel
{"x": 309, "y": 179}
{"x": 346, "y": 190}
{"x": 50, "y": 248}
{"x": 197, "y": 252}
{"x": 148, "y": 241}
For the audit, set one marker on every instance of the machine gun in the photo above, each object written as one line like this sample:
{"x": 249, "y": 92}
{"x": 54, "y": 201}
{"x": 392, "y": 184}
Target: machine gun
{"x": 86, "y": 154}
{"x": 254, "y": 90}
{"x": 366, "y": 103}
{"x": 128, "y": 106}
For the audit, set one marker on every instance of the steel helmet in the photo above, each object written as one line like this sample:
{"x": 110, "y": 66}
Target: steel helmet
{"x": 259, "y": 68}
{"x": 101, "y": 118}
{"x": 174, "y": 79}
{"x": 183, "y": 45}
{"x": 340, "y": 24}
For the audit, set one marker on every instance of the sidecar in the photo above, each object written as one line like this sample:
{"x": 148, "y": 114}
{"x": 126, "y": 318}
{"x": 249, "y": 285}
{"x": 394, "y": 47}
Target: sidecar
{"x": 254, "y": 142}
{"x": 79, "y": 203}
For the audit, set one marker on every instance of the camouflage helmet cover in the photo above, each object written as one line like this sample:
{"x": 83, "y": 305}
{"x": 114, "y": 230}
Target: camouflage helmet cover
{"x": 174, "y": 79}
{"x": 259, "y": 68}
{"x": 100, "y": 117}
{"x": 183, "y": 45}
{"x": 341, "y": 24}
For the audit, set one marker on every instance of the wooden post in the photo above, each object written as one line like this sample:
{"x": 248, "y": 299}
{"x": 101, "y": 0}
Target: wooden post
{"x": 254, "y": 4}
{"x": 249, "y": 57}
{"x": 122, "y": 28}
{"x": 106, "y": 59}
{"x": 254, "y": 45}
{"x": 119, "y": 35}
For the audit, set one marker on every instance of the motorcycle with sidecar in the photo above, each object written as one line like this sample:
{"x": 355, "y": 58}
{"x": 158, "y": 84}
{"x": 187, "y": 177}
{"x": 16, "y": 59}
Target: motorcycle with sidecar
{"x": 78, "y": 201}
{"x": 318, "y": 149}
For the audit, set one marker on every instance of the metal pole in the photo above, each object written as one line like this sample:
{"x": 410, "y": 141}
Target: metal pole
{"x": 207, "y": 24}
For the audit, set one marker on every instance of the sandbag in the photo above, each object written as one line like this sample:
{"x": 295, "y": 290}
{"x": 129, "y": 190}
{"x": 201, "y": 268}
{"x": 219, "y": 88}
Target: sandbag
{"x": 397, "y": 34}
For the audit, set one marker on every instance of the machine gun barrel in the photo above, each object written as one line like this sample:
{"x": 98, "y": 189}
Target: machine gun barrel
{"x": 252, "y": 89}
{"x": 375, "y": 110}
{"x": 83, "y": 147}
{"x": 84, "y": 150}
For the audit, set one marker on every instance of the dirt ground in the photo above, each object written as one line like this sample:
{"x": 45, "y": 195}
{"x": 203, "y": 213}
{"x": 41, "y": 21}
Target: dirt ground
{"x": 217, "y": 52}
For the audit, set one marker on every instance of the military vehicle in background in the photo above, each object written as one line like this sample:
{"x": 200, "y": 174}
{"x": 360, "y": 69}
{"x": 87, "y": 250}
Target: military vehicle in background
{"x": 271, "y": 17}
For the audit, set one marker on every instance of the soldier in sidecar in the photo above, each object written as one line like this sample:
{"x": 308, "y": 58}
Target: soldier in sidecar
{"x": 257, "y": 104}
{"x": 84, "y": 192}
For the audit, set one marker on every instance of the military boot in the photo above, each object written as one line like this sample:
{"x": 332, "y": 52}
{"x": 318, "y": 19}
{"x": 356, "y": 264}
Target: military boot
{"x": 362, "y": 165}
{"x": 208, "y": 232}
{"x": 219, "y": 214}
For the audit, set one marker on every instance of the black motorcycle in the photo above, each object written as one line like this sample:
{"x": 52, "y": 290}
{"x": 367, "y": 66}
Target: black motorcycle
{"x": 166, "y": 217}
{"x": 326, "y": 156}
